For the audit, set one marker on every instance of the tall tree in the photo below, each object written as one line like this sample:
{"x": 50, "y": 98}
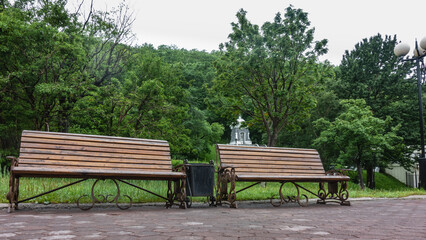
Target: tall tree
{"x": 50, "y": 59}
{"x": 360, "y": 139}
{"x": 372, "y": 72}
{"x": 269, "y": 73}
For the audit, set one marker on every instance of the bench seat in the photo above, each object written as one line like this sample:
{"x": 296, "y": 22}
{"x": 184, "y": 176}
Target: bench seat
{"x": 275, "y": 164}
{"x": 299, "y": 178}
{"x": 96, "y": 173}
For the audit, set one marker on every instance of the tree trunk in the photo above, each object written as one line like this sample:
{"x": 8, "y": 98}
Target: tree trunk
{"x": 361, "y": 181}
{"x": 273, "y": 138}
{"x": 370, "y": 178}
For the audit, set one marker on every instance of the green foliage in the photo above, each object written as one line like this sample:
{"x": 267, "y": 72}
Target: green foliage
{"x": 359, "y": 139}
{"x": 269, "y": 73}
{"x": 372, "y": 72}
{"x": 60, "y": 72}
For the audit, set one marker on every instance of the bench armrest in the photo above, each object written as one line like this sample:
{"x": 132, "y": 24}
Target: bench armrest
{"x": 338, "y": 172}
{"x": 222, "y": 169}
{"x": 14, "y": 160}
{"x": 179, "y": 168}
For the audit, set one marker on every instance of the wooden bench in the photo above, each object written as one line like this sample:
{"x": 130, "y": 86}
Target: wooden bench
{"x": 64, "y": 155}
{"x": 272, "y": 164}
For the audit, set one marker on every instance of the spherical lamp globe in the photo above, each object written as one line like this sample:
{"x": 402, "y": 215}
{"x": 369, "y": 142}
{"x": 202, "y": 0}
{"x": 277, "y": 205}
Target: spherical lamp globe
{"x": 423, "y": 43}
{"x": 401, "y": 49}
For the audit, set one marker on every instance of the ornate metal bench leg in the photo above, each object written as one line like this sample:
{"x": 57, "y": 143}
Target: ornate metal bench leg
{"x": 322, "y": 194}
{"x": 170, "y": 195}
{"x": 344, "y": 194}
{"x": 232, "y": 197}
{"x": 180, "y": 193}
{"x": 11, "y": 194}
{"x": 16, "y": 192}
{"x": 222, "y": 186}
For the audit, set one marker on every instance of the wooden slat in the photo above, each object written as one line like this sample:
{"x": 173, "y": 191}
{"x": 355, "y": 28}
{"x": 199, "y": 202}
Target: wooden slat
{"x": 237, "y": 149}
{"x": 93, "y": 138}
{"x": 298, "y": 177}
{"x": 158, "y": 147}
{"x": 266, "y": 175}
{"x": 91, "y": 154}
{"x": 270, "y": 170}
{"x": 274, "y": 162}
{"x": 38, "y": 146}
{"x": 267, "y": 154}
{"x": 269, "y": 166}
{"x": 275, "y": 159}
{"x": 93, "y": 164}
{"x": 94, "y": 159}
{"x": 89, "y": 172}
{"x": 38, "y": 167}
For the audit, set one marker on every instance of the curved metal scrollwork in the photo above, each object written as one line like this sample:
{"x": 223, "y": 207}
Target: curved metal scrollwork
{"x": 291, "y": 199}
{"x": 100, "y": 198}
{"x": 343, "y": 192}
{"x": 232, "y": 197}
{"x": 226, "y": 175}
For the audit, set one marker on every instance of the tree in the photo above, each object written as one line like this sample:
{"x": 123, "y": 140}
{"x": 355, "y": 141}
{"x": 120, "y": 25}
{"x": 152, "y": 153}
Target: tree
{"x": 372, "y": 72}
{"x": 360, "y": 139}
{"x": 50, "y": 59}
{"x": 269, "y": 74}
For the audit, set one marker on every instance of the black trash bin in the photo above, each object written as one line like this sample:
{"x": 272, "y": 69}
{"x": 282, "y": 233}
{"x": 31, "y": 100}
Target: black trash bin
{"x": 200, "y": 181}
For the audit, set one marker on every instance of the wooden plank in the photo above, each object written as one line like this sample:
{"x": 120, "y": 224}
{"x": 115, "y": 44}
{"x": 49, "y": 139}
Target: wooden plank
{"x": 298, "y": 178}
{"x": 93, "y": 159}
{"x": 270, "y": 170}
{"x": 84, "y": 172}
{"x": 273, "y": 162}
{"x": 93, "y": 138}
{"x": 37, "y": 167}
{"x": 95, "y": 144}
{"x": 274, "y": 159}
{"x": 39, "y": 146}
{"x": 93, "y": 164}
{"x": 266, "y": 149}
{"x": 269, "y": 166}
{"x": 267, "y": 154}
{"x": 89, "y": 154}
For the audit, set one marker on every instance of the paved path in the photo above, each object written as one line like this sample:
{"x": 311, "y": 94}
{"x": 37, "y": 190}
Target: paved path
{"x": 377, "y": 219}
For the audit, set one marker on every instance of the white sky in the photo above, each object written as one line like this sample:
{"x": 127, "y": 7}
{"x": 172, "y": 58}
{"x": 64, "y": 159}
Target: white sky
{"x": 203, "y": 25}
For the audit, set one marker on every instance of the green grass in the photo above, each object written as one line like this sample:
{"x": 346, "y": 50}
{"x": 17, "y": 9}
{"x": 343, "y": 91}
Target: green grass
{"x": 386, "y": 187}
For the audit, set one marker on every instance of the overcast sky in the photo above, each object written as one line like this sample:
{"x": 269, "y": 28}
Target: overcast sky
{"x": 203, "y": 25}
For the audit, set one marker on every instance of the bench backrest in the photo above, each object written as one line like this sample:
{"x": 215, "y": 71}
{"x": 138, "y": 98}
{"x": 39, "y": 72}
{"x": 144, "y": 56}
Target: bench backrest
{"x": 78, "y": 151}
{"x": 267, "y": 161}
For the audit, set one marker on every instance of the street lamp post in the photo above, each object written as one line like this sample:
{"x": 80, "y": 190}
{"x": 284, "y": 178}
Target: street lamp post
{"x": 400, "y": 50}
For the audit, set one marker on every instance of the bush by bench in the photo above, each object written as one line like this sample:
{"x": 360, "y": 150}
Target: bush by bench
{"x": 64, "y": 155}
{"x": 272, "y": 164}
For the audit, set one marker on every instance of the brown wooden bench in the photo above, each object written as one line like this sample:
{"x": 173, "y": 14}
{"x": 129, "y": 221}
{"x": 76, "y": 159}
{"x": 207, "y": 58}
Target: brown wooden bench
{"x": 64, "y": 155}
{"x": 272, "y": 164}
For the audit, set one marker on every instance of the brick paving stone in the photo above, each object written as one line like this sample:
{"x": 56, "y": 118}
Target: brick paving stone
{"x": 376, "y": 219}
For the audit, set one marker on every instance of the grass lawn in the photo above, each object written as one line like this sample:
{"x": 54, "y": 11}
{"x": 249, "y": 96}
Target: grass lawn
{"x": 386, "y": 187}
